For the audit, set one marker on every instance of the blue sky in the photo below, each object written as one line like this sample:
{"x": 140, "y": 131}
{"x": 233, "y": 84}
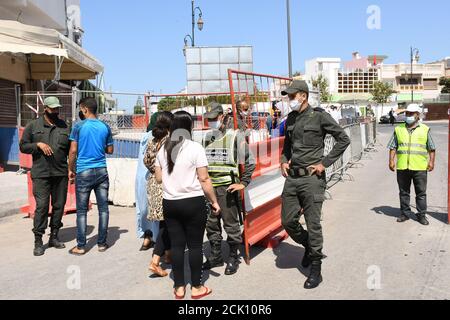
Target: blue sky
{"x": 140, "y": 41}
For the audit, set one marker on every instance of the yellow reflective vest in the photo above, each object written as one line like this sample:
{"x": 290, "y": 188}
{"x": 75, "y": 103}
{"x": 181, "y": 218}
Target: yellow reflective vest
{"x": 221, "y": 159}
{"x": 412, "y": 153}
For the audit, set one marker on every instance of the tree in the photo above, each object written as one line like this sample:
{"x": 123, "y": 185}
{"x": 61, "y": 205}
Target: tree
{"x": 381, "y": 91}
{"x": 321, "y": 83}
{"x": 446, "y": 83}
{"x": 139, "y": 106}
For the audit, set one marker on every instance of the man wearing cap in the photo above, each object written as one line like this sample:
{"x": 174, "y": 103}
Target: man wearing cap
{"x": 47, "y": 139}
{"x": 226, "y": 149}
{"x": 415, "y": 150}
{"x": 303, "y": 165}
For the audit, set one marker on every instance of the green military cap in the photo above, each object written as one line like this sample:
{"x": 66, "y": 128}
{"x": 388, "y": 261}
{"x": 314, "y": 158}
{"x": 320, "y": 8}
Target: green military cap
{"x": 52, "y": 102}
{"x": 213, "y": 110}
{"x": 296, "y": 86}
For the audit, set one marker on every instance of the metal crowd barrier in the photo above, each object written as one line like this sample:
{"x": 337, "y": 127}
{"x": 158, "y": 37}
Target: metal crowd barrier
{"x": 362, "y": 140}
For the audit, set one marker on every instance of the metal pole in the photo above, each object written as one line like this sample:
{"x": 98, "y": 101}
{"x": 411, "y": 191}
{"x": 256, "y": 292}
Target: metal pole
{"x": 288, "y": 13}
{"x": 412, "y": 85}
{"x": 448, "y": 178}
{"x": 193, "y": 24}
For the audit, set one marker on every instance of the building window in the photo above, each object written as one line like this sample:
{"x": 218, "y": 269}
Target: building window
{"x": 430, "y": 84}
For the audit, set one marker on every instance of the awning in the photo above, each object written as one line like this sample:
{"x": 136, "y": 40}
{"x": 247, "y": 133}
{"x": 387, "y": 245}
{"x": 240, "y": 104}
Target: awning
{"x": 52, "y": 54}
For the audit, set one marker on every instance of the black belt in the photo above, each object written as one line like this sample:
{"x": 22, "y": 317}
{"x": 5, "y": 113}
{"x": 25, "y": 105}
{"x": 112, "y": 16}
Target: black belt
{"x": 298, "y": 172}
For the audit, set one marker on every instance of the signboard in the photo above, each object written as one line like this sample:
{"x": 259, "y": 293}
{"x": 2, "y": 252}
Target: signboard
{"x": 207, "y": 68}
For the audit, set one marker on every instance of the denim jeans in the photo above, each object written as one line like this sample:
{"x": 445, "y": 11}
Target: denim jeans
{"x": 93, "y": 179}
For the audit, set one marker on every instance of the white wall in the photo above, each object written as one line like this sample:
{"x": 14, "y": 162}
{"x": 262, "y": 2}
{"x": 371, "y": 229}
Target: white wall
{"x": 42, "y": 13}
{"x": 330, "y": 67}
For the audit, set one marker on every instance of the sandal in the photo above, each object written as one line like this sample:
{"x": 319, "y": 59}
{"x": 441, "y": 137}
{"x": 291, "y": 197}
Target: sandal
{"x": 207, "y": 293}
{"x": 103, "y": 247}
{"x": 156, "y": 269}
{"x": 177, "y": 297}
{"x": 77, "y": 251}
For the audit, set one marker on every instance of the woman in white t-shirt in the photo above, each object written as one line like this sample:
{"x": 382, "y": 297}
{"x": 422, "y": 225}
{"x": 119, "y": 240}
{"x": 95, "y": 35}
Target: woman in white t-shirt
{"x": 182, "y": 167}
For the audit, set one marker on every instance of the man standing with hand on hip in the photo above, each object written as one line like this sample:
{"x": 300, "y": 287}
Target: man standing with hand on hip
{"x": 415, "y": 150}
{"x": 47, "y": 139}
{"x": 303, "y": 165}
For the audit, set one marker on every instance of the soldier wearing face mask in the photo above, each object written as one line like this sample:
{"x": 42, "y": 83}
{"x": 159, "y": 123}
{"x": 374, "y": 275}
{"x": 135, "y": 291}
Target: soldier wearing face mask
{"x": 47, "y": 139}
{"x": 303, "y": 165}
{"x": 226, "y": 149}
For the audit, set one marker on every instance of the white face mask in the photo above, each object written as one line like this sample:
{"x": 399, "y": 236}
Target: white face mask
{"x": 245, "y": 113}
{"x": 296, "y": 104}
{"x": 215, "y": 124}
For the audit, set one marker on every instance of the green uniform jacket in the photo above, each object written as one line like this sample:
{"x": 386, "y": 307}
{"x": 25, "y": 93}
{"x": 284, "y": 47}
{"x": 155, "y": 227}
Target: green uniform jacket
{"x": 57, "y": 137}
{"x": 305, "y": 134}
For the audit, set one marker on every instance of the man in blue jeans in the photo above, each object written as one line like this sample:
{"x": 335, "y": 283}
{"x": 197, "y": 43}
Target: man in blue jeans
{"x": 91, "y": 141}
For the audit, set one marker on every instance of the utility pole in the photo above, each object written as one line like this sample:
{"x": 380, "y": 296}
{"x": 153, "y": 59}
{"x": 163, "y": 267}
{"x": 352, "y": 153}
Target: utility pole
{"x": 288, "y": 13}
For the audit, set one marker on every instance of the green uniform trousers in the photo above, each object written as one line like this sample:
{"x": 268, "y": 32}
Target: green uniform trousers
{"x": 229, "y": 216}
{"x": 306, "y": 192}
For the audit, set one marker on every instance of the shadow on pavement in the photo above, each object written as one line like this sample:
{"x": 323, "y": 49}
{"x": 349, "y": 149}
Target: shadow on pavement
{"x": 70, "y": 234}
{"x": 395, "y": 213}
{"x": 113, "y": 235}
{"x": 289, "y": 256}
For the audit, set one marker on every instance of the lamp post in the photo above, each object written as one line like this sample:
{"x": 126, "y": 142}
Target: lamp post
{"x": 200, "y": 24}
{"x": 288, "y": 14}
{"x": 414, "y": 56}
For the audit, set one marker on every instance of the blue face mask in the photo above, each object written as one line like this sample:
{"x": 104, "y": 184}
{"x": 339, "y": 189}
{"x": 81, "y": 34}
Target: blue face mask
{"x": 410, "y": 120}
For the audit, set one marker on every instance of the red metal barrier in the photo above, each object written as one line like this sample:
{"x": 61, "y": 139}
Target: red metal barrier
{"x": 25, "y": 160}
{"x": 71, "y": 202}
{"x": 262, "y": 224}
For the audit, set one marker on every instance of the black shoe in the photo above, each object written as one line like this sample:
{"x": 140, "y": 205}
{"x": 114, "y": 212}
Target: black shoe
{"x": 402, "y": 218}
{"x": 232, "y": 266}
{"x": 315, "y": 276}
{"x": 38, "y": 246}
{"x": 215, "y": 259}
{"x": 306, "y": 261}
{"x": 422, "y": 219}
{"x": 148, "y": 235}
{"x": 54, "y": 241}
{"x": 210, "y": 264}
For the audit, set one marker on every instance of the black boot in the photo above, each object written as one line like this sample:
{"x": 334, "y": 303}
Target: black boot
{"x": 422, "y": 219}
{"x": 233, "y": 261}
{"x": 306, "y": 261}
{"x": 54, "y": 241}
{"x": 315, "y": 276}
{"x": 38, "y": 246}
{"x": 215, "y": 259}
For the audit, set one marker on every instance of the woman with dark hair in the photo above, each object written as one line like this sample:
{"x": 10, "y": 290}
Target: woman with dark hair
{"x": 181, "y": 166}
{"x": 155, "y": 193}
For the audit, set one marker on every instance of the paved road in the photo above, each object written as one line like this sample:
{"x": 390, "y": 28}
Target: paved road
{"x": 363, "y": 243}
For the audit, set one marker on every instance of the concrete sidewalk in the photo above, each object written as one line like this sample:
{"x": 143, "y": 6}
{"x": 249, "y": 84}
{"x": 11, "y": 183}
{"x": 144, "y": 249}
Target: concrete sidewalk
{"x": 13, "y": 193}
{"x": 370, "y": 255}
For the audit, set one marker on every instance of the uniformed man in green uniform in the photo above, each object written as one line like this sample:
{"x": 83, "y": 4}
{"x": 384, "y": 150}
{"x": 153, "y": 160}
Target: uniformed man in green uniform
{"x": 226, "y": 149}
{"x": 303, "y": 165}
{"x": 47, "y": 139}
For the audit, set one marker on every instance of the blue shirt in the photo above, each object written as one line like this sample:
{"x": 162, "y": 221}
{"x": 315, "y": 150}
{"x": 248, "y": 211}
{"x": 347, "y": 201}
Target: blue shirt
{"x": 92, "y": 136}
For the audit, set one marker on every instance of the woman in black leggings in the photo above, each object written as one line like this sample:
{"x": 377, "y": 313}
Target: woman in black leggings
{"x": 182, "y": 167}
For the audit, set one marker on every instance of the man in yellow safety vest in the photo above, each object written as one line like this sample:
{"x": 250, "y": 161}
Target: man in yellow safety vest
{"x": 226, "y": 149}
{"x": 415, "y": 150}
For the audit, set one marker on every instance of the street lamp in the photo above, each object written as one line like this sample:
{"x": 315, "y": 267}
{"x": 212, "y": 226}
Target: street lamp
{"x": 414, "y": 56}
{"x": 200, "y": 24}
